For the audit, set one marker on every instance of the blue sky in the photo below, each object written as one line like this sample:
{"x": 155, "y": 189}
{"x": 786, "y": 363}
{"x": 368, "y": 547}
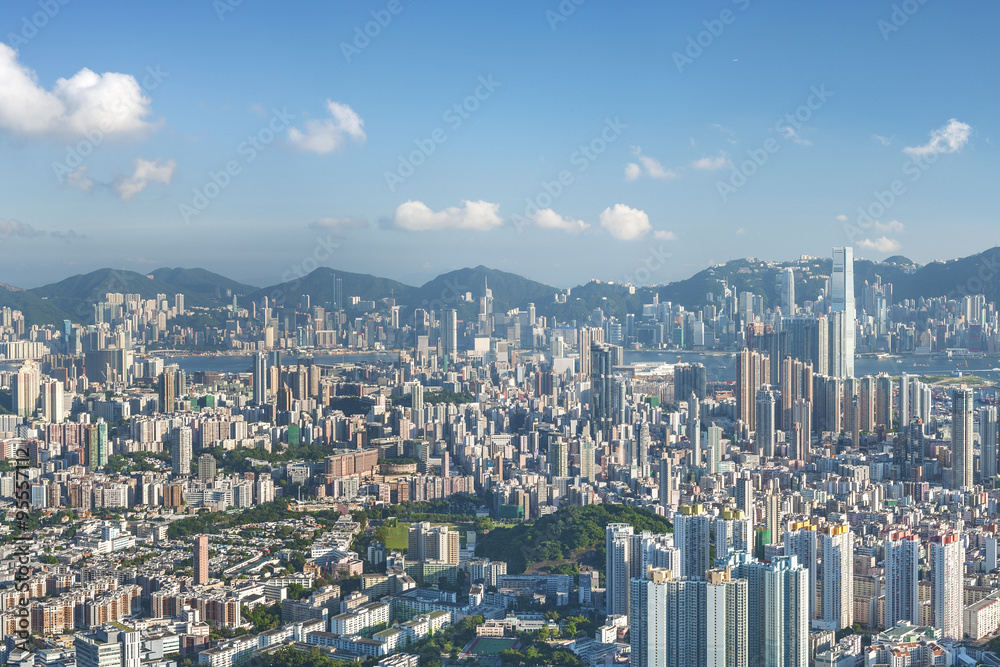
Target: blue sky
{"x": 683, "y": 108}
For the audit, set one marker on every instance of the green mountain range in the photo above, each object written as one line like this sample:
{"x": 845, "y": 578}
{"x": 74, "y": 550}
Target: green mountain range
{"x": 73, "y": 297}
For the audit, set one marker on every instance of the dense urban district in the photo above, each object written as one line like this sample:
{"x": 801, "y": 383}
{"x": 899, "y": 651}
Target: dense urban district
{"x": 787, "y": 465}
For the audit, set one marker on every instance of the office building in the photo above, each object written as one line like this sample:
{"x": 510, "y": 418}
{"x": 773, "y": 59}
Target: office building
{"x": 842, "y": 313}
{"x": 962, "y": 426}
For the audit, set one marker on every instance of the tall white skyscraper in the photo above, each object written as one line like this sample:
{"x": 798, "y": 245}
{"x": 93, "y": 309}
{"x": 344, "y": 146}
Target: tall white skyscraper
{"x": 617, "y": 573}
{"x": 837, "y": 546}
{"x": 800, "y": 541}
{"x": 52, "y": 401}
{"x": 786, "y": 285}
{"x": 714, "y": 448}
{"x": 961, "y": 437}
{"x": 902, "y": 600}
{"x": 947, "y": 559}
{"x": 260, "y": 378}
{"x": 842, "y": 301}
{"x": 988, "y": 441}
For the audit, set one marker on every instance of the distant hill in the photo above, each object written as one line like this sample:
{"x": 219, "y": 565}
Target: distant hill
{"x": 319, "y": 286}
{"x": 73, "y": 297}
{"x": 204, "y": 283}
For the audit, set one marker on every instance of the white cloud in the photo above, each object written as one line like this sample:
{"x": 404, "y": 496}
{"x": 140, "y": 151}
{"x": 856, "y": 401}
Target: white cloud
{"x": 741, "y": 231}
{"x": 146, "y": 172}
{"x": 661, "y": 235}
{"x": 9, "y": 228}
{"x": 842, "y": 218}
{"x": 788, "y": 132}
{"x": 720, "y": 161}
{"x": 87, "y": 102}
{"x": 885, "y": 141}
{"x": 78, "y": 179}
{"x": 328, "y": 135}
{"x": 625, "y": 223}
{"x": 893, "y": 226}
{"x": 729, "y": 134}
{"x": 646, "y": 165}
{"x": 338, "y": 226}
{"x": 881, "y": 244}
{"x": 948, "y": 139}
{"x": 415, "y": 216}
{"x": 549, "y": 219}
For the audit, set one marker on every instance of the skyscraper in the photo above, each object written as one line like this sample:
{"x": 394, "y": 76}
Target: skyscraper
{"x": 947, "y": 559}
{"x": 666, "y": 482}
{"x": 988, "y": 441}
{"x": 678, "y": 623}
{"x": 961, "y": 437}
{"x": 764, "y": 427}
{"x": 181, "y": 446}
{"x": 617, "y": 573}
{"x": 714, "y": 448}
{"x": 200, "y": 560}
{"x": 602, "y": 397}
{"x": 787, "y": 291}
{"x": 753, "y": 371}
{"x": 260, "y": 378}
{"x": 902, "y": 599}
{"x": 777, "y": 610}
{"x": 693, "y": 536}
{"x": 842, "y": 301}
{"x": 448, "y": 345}
{"x": 800, "y": 541}
{"x": 837, "y": 546}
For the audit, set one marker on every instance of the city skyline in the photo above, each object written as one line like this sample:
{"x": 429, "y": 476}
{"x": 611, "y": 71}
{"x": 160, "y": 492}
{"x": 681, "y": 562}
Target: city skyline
{"x": 676, "y": 165}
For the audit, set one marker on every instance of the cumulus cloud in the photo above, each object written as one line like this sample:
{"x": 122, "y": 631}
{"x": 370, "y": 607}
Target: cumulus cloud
{"x": 338, "y": 226}
{"x": 661, "y": 235}
{"x": 415, "y": 216}
{"x": 625, "y": 223}
{"x": 9, "y": 228}
{"x": 881, "y": 244}
{"x": 111, "y": 103}
{"x": 950, "y": 138}
{"x": 720, "y": 161}
{"x": 646, "y": 165}
{"x": 549, "y": 219}
{"x": 329, "y": 134}
{"x": 146, "y": 172}
{"x": 78, "y": 179}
